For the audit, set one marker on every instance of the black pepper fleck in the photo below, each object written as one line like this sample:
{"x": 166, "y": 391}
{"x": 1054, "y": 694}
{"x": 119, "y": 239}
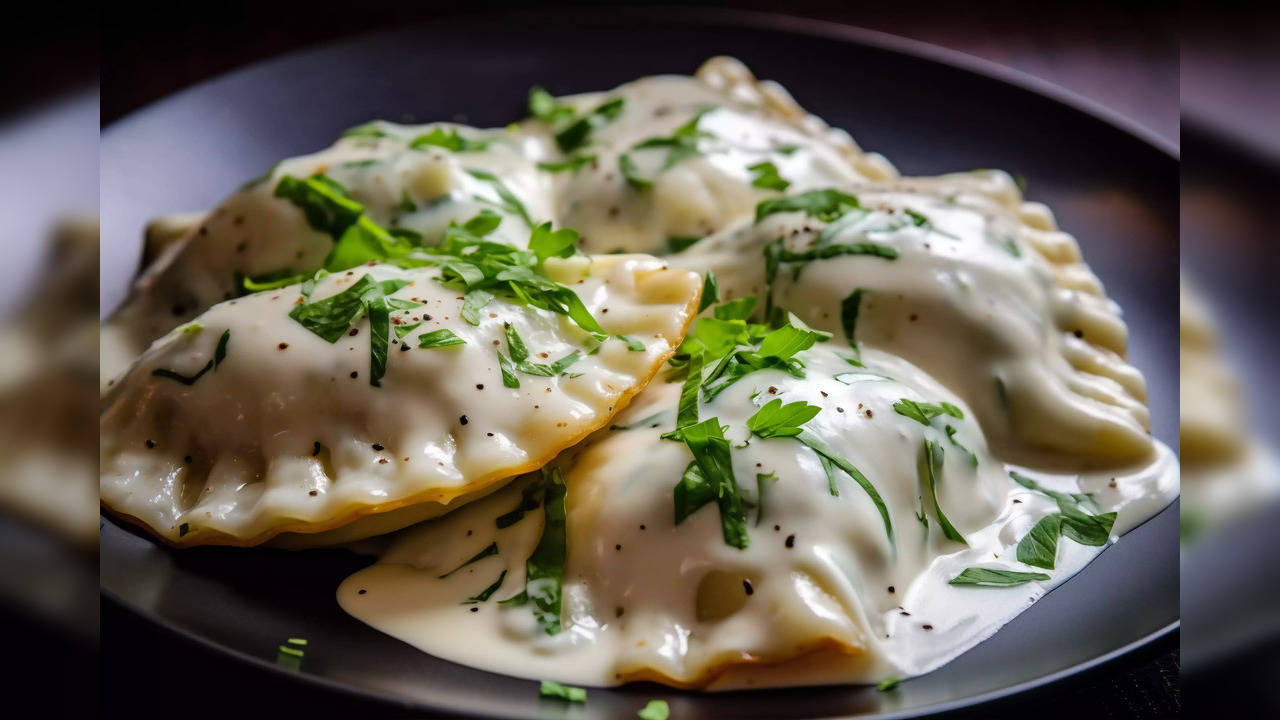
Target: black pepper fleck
{"x": 746, "y": 585}
{"x": 463, "y": 420}
{"x": 791, "y": 541}
{"x": 377, "y": 447}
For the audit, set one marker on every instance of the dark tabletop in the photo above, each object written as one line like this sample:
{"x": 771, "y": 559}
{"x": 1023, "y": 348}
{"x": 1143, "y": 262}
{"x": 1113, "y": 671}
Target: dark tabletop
{"x": 1091, "y": 49}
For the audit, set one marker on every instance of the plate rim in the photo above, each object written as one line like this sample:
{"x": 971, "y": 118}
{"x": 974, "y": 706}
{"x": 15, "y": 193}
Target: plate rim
{"x": 664, "y": 15}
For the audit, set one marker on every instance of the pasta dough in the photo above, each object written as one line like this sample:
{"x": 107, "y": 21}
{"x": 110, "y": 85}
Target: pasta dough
{"x": 286, "y": 433}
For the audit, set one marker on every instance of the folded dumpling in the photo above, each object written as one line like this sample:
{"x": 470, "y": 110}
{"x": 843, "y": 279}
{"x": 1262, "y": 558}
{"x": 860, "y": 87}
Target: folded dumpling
{"x": 958, "y": 276}
{"x": 658, "y": 163}
{"x": 411, "y": 180}
{"x": 305, "y": 408}
{"x": 786, "y": 520}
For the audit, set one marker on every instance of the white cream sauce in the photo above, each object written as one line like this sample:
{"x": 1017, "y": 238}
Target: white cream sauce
{"x": 820, "y": 611}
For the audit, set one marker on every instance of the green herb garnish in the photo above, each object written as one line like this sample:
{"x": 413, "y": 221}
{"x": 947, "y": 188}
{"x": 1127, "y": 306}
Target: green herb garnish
{"x": 219, "y": 354}
{"x": 929, "y": 468}
{"x": 655, "y": 710}
{"x": 576, "y": 134}
{"x": 922, "y": 412}
{"x": 450, "y": 141}
{"x": 767, "y": 177}
{"x": 443, "y": 337}
{"x": 491, "y": 549}
{"x": 993, "y": 577}
{"x": 552, "y": 689}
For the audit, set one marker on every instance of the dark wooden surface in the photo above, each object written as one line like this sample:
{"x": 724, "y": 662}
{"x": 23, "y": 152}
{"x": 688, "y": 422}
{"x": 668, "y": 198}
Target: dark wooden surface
{"x": 1121, "y": 55}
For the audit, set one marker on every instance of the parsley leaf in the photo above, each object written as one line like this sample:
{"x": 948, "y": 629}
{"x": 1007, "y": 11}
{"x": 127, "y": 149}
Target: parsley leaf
{"x": 567, "y": 693}
{"x": 710, "y": 450}
{"x": 826, "y": 205}
{"x": 491, "y": 549}
{"x": 922, "y": 412}
{"x": 632, "y": 344}
{"x": 219, "y": 354}
{"x": 655, "y": 710}
{"x": 487, "y": 592}
{"x": 545, "y": 243}
{"x": 450, "y": 140}
{"x": 573, "y": 163}
{"x": 472, "y": 303}
{"x": 951, "y": 435}
{"x": 509, "y": 201}
{"x": 1040, "y": 546}
{"x": 849, "y": 317}
{"x": 767, "y": 177}
{"x": 576, "y": 134}
{"x": 992, "y": 577}
{"x": 929, "y": 468}
{"x": 443, "y": 337}
{"x": 681, "y": 143}
{"x": 778, "y": 420}
{"x": 678, "y": 244}
{"x": 546, "y": 108}
{"x": 544, "y": 570}
{"x": 710, "y": 291}
{"x": 739, "y": 309}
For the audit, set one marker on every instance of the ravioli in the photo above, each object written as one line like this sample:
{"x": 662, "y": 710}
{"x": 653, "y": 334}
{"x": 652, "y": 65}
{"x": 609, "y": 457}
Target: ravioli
{"x": 671, "y": 159}
{"x": 272, "y": 413}
{"x": 651, "y": 595}
{"x": 957, "y": 276}
{"x": 411, "y": 179}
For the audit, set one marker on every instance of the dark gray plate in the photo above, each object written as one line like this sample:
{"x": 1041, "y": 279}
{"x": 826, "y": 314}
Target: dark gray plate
{"x": 928, "y": 110}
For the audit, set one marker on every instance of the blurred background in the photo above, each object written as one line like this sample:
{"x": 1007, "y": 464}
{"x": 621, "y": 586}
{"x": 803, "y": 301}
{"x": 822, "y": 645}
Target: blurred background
{"x": 1201, "y": 78}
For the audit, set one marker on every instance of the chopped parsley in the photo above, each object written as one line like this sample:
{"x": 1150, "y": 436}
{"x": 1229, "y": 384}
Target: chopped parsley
{"x": 826, "y": 205}
{"x": 290, "y": 654}
{"x": 568, "y": 693}
{"x": 682, "y": 143}
{"x": 655, "y": 710}
{"x": 443, "y": 337}
{"x": 762, "y": 481}
{"x": 332, "y": 317}
{"x": 577, "y": 133}
{"x": 488, "y": 592}
{"x": 546, "y": 108}
{"x": 1040, "y": 546}
{"x": 923, "y": 412}
{"x": 509, "y": 201}
{"x": 491, "y": 549}
{"x": 450, "y": 140}
{"x": 573, "y": 163}
{"x": 951, "y": 435}
{"x": 710, "y": 291}
{"x": 544, "y": 570}
{"x": 849, "y": 320}
{"x": 370, "y": 129}
{"x": 546, "y": 243}
{"x": 887, "y": 684}
{"x": 767, "y": 177}
{"x": 328, "y": 208}
{"x": 632, "y": 344}
{"x": 219, "y": 354}
{"x": 929, "y": 468}
{"x": 778, "y": 420}
{"x": 678, "y": 244}
{"x": 709, "y": 477}
{"x": 994, "y": 577}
